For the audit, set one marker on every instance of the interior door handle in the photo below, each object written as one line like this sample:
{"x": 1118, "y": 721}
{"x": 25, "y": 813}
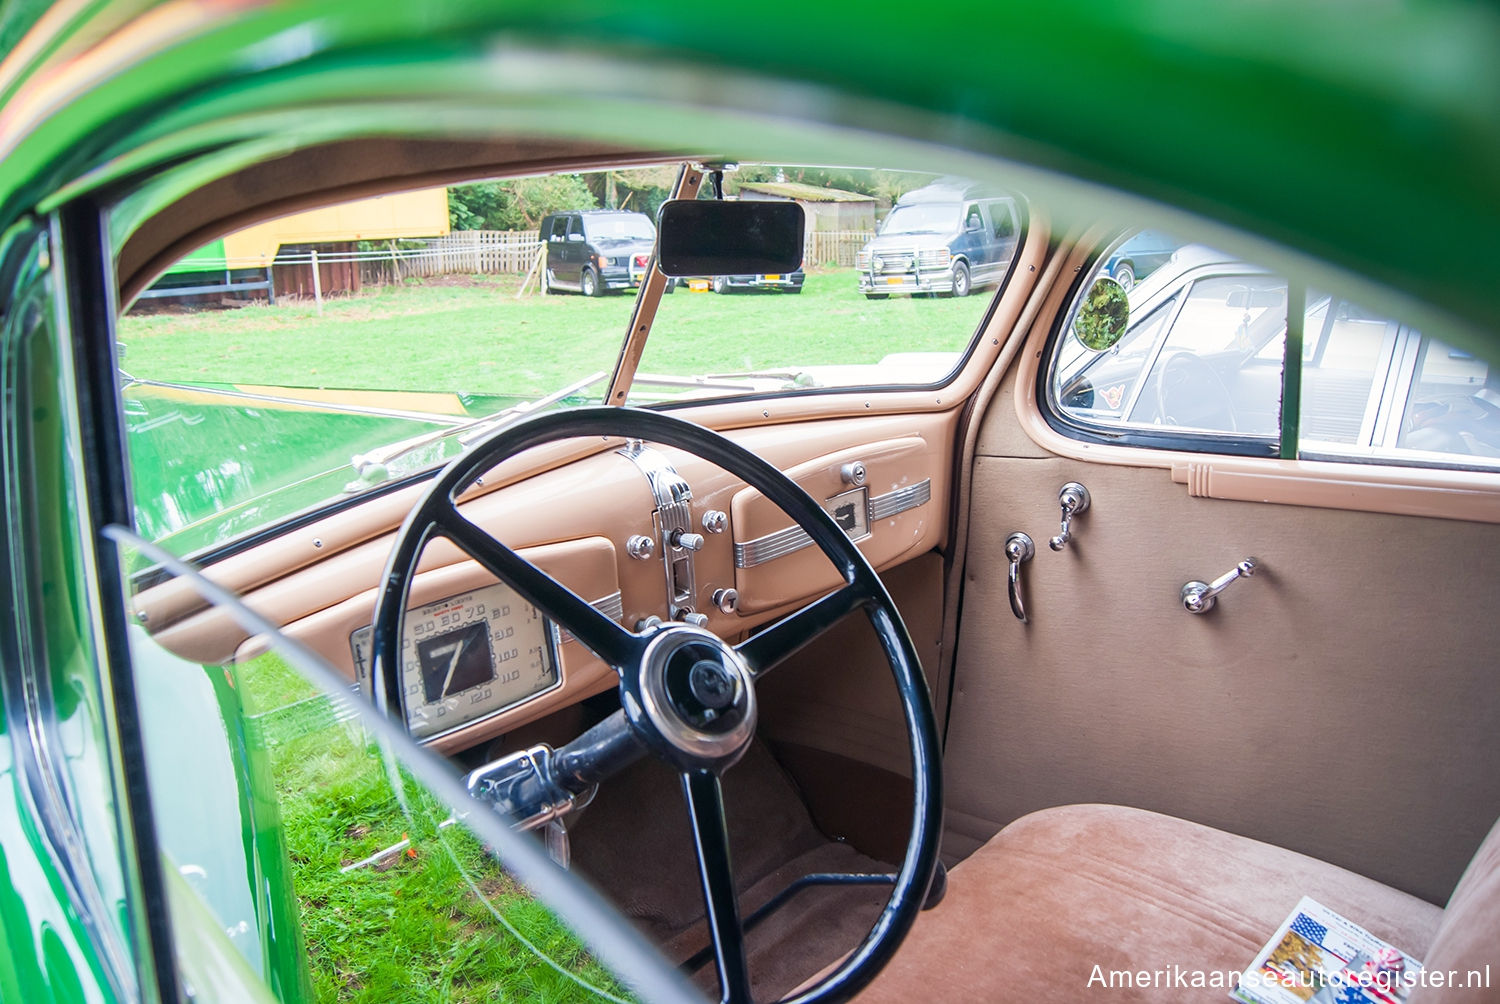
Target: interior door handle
{"x": 1018, "y": 548}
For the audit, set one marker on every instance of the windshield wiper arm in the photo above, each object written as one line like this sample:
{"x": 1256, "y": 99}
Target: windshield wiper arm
{"x": 375, "y": 461}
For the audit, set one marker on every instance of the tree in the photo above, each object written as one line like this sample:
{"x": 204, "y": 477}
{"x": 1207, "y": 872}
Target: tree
{"x": 639, "y": 189}
{"x": 516, "y": 204}
{"x": 885, "y": 186}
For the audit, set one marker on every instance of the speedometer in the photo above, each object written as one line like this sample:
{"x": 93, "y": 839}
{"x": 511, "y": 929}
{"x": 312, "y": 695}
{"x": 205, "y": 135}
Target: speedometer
{"x": 467, "y": 657}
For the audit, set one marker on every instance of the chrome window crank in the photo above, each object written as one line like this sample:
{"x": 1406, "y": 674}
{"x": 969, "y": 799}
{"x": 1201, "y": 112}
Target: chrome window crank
{"x": 1198, "y": 597}
{"x": 1074, "y": 499}
{"x": 1018, "y": 548}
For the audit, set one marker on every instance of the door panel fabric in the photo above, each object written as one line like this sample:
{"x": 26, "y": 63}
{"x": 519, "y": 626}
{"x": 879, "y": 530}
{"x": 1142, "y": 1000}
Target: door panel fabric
{"x": 1341, "y": 703}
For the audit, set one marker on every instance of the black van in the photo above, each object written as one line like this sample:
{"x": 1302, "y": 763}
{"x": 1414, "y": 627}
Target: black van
{"x": 593, "y": 251}
{"x": 946, "y": 237}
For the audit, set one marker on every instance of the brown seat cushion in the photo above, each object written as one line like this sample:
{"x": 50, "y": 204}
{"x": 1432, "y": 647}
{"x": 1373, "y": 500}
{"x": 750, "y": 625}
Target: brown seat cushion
{"x": 1058, "y": 892}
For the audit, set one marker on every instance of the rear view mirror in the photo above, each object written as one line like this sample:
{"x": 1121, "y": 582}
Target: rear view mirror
{"x": 709, "y": 237}
{"x": 1103, "y": 315}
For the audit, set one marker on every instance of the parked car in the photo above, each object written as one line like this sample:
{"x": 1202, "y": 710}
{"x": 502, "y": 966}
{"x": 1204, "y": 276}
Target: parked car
{"x": 750, "y": 663}
{"x": 791, "y": 282}
{"x": 1139, "y": 256}
{"x": 596, "y": 251}
{"x": 951, "y": 236}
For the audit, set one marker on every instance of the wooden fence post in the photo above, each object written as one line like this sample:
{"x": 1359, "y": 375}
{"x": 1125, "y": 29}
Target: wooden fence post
{"x": 317, "y": 283}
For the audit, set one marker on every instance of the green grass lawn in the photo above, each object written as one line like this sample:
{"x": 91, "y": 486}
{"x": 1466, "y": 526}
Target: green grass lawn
{"x": 470, "y": 334}
{"x": 409, "y": 928}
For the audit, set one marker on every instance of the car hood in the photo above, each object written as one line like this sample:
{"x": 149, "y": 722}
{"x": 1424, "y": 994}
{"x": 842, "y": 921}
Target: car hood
{"x": 624, "y": 245}
{"x": 905, "y": 242}
{"x": 269, "y": 452}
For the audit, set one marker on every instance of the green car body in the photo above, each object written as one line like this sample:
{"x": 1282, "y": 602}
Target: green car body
{"x": 1378, "y": 128}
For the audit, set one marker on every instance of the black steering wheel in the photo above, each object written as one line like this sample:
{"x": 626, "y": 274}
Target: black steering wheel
{"x": 687, "y": 696}
{"x": 1190, "y": 393}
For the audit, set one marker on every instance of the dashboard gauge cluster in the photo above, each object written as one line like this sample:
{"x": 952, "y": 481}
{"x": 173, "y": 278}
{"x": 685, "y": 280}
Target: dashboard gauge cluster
{"x": 467, "y": 657}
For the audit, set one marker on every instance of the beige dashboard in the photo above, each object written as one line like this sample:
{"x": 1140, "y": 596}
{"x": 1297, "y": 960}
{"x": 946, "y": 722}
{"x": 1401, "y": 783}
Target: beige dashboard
{"x": 885, "y": 479}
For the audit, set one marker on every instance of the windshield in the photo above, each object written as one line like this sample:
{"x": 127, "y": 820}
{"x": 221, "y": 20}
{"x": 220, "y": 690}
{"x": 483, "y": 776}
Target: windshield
{"x": 620, "y": 227}
{"x": 306, "y": 361}
{"x": 928, "y": 218}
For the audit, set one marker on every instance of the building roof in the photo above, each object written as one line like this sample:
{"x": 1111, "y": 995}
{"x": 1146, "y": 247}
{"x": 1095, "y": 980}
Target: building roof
{"x": 804, "y": 193}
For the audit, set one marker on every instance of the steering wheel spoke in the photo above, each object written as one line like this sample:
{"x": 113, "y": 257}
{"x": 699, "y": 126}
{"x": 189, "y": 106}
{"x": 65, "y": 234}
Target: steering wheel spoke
{"x": 769, "y": 646}
{"x": 705, "y": 801}
{"x": 597, "y": 632}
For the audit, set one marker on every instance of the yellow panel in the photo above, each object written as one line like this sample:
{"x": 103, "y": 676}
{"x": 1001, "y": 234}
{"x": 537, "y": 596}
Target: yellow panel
{"x": 408, "y": 214}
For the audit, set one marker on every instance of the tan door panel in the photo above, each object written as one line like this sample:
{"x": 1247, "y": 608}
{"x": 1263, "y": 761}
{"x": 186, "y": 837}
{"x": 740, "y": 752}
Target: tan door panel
{"x": 1341, "y": 703}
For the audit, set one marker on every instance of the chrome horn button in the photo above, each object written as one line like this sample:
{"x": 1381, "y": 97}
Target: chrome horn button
{"x": 698, "y": 696}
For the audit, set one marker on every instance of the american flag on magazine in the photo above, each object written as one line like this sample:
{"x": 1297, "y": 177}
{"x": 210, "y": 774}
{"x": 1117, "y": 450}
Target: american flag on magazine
{"x": 1318, "y": 957}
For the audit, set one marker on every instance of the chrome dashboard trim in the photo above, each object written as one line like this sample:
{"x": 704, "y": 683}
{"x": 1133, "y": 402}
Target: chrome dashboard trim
{"x": 611, "y": 606}
{"x": 899, "y": 501}
{"x": 673, "y": 521}
{"x": 750, "y": 553}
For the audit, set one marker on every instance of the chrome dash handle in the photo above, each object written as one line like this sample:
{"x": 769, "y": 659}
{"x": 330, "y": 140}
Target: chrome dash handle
{"x": 1198, "y": 597}
{"x": 1018, "y": 548}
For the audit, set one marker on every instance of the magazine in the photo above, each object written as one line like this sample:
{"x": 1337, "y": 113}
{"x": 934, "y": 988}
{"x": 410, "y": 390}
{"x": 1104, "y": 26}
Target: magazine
{"x": 1318, "y": 957}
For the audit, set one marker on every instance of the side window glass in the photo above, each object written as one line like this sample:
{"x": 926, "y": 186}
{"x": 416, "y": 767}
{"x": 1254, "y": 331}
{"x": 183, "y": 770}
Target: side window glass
{"x": 972, "y": 219}
{"x": 1453, "y": 407}
{"x": 575, "y": 228}
{"x": 1212, "y": 374}
{"x": 1104, "y": 385}
{"x": 1344, "y": 349}
{"x": 559, "y": 229}
{"x": 1005, "y": 224}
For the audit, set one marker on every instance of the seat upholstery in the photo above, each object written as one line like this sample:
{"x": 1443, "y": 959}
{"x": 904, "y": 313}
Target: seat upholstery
{"x": 1030, "y": 914}
{"x": 1469, "y": 938}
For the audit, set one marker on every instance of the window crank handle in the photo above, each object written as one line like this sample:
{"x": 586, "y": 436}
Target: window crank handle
{"x": 1198, "y": 597}
{"x": 1074, "y": 499}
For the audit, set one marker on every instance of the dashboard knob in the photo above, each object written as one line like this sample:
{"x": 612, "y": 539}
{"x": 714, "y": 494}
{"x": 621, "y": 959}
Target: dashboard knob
{"x": 640, "y": 546}
{"x": 727, "y": 600}
{"x": 687, "y": 541}
{"x": 696, "y": 619}
{"x": 715, "y": 521}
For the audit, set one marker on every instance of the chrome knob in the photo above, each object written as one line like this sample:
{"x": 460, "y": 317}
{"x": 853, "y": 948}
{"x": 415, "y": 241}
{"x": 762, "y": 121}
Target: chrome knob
{"x": 648, "y": 623}
{"x": 1199, "y": 597}
{"x": 1074, "y": 499}
{"x": 727, "y": 600}
{"x": 696, "y": 619}
{"x": 853, "y": 473}
{"x": 687, "y": 541}
{"x": 640, "y": 546}
{"x": 715, "y": 521}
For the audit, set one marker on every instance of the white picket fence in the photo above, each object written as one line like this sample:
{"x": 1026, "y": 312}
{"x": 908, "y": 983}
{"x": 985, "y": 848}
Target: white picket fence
{"x": 475, "y": 251}
{"x": 501, "y": 252}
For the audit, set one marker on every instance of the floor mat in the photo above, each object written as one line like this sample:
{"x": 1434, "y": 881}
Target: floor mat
{"x": 635, "y": 845}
